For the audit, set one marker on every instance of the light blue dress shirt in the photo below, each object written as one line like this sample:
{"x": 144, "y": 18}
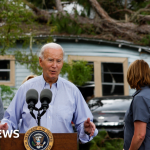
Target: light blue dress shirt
{"x": 67, "y": 105}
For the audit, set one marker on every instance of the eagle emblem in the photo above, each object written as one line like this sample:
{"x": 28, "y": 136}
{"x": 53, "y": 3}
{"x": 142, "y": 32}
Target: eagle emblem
{"x": 38, "y": 141}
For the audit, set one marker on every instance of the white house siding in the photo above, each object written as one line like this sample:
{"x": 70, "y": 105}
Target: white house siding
{"x": 21, "y": 72}
{"x": 85, "y": 49}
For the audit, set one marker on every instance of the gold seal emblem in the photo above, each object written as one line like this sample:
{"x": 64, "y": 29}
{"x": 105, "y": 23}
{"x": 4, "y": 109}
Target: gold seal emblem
{"x": 38, "y": 138}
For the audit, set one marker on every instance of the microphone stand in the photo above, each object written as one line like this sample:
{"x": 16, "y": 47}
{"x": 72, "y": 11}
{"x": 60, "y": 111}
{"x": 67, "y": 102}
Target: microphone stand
{"x": 38, "y": 115}
{"x": 39, "y": 118}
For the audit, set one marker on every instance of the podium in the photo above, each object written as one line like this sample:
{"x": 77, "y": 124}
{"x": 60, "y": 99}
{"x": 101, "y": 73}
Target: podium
{"x": 62, "y": 141}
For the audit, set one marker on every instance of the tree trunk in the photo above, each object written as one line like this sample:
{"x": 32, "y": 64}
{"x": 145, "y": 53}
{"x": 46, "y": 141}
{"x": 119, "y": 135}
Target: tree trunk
{"x": 101, "y": 12}
{"x": 104, "y": 24}
{"x": 144, "y": 18}
{"x": 58, "y": 5}
{"x": 125, "y": 4}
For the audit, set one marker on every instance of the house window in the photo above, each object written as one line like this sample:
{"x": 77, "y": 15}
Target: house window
{"x": 7, "y": 70}
{"x": 4, "y": 70}
{"x": 112, "y": 79}
{"x": 109, "y": 74}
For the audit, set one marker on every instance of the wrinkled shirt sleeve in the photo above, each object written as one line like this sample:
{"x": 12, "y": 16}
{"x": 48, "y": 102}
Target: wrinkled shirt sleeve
{"x": 67, "y": 105}
{"x": 81, "y": 114}
{"x": 141, "y": 110}
{"x": 13, "y": 113}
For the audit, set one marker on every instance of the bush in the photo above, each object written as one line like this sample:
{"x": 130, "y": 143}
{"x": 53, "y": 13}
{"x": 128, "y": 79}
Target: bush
{"x": 103, "y": 142}
{"x": 77, "y": 72}
{"x": 7, "y": 94}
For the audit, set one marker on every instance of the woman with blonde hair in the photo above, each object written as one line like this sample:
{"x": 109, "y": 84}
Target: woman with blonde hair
{"x": 137, "y": 118}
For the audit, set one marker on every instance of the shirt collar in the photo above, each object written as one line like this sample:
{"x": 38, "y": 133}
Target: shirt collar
{"x": 136, "y": 92}
{"x": 43, "y": 82}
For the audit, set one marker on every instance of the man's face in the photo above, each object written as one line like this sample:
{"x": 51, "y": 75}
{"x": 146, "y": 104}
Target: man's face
{"x": 51, "y": 64}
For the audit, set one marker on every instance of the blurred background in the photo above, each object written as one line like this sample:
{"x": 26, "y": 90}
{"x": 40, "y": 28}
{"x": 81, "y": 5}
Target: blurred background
{"x": 100, "y": 38}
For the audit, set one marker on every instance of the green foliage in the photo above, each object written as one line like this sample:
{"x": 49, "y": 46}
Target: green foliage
{"x": 7, "y": 92}
{"x": 77, "y": 72}
{"x": 30, "y": 60}
{"x": 146, "y": 40}
{"x": 89, "y": 146}
{"x": 138, "y": 4}
{"x": 86, "y": 4}
{"x": 13, "y": 14}
{"x": 99, "y": 139}
{"x": 114, "y": 144}
{"x": 110, "y": 6}
{"x": 83, "y": 13}
{"x": 65, "y": 24}
{"x": 103, "y": 142}
{"x": 43, "y": 4}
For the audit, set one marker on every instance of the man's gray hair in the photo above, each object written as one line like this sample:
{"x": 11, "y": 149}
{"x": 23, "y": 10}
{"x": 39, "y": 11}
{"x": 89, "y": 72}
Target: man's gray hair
{"x": 51, "y": 46}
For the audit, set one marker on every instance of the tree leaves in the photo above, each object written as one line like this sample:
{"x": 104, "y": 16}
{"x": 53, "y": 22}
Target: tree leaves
{"x": 13, "y": 14}
{"x": 30, "y": 60}
{"x": 77, "y": 72}
{"x": 7, "y": 92}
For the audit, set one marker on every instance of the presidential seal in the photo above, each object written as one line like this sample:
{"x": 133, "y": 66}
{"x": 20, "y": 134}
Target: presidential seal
{"x": 38, "y": 138}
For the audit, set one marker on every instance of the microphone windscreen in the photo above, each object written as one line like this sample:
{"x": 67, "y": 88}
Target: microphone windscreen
{"x": 46, "y": 94}
{"x": 32, "y": 95}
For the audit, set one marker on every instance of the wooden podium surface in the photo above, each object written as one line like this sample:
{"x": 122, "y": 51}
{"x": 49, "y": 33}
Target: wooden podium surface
{"x": 62, "y": 141}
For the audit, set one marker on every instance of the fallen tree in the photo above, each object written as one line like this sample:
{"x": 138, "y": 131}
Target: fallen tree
{"x": 133, "y": 26}
{"x": 132, "y": 29}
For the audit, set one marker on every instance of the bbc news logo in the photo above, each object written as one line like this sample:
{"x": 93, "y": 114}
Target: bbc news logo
{"x": 12, "y": 133}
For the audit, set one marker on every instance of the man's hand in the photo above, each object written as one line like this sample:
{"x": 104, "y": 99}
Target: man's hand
{"x": 89, "y": 127}
{"x": 4, "y": 126}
